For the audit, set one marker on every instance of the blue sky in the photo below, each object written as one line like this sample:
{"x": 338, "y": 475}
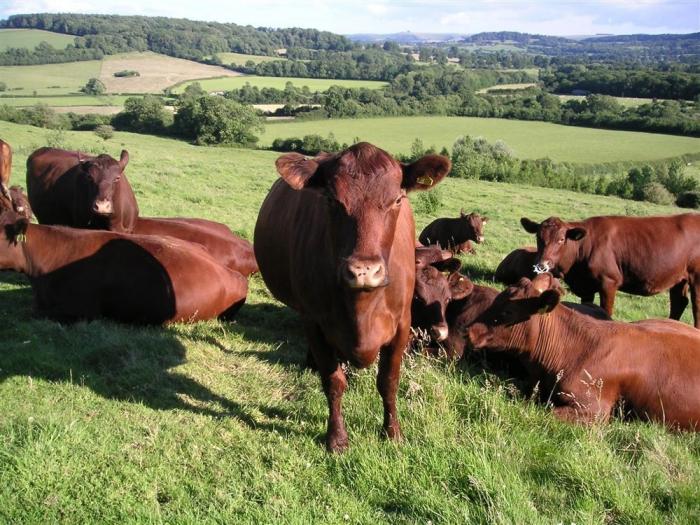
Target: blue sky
{"x": 554, "y": 17}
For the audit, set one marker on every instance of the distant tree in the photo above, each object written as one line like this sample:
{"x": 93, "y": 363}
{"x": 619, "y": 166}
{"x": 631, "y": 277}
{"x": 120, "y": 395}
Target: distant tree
{"x": 143, "y": 115}
{"x": 94, "y": 86}
{"x": 3, "y": 86}
{"x": 216, "y": 120}
{"x": 104, "y": 131}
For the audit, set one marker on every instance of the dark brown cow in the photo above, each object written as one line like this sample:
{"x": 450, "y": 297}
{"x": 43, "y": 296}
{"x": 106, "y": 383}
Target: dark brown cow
{"x": 335, "y": 240}
{"x": 83, "y": 274}
{"x": 455, "y": 234}
{"x": 517, "y": 264}
{"x": 434, "y": 291}
{"x": 228, "y": 249}
{"x": 83, "y": 191}
{"x": 638, "y": 255}
{"x": 653, "y": 366}
{"x": 5, "y": 169}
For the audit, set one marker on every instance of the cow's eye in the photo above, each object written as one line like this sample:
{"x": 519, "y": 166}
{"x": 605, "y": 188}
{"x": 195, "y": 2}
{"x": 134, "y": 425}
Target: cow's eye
{"x": 398, "y": 200}
{"x": 561, "y": 241}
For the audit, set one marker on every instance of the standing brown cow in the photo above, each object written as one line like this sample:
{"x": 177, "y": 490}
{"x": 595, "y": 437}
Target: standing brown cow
{"x": 335, "y": 240}
{"x": 5, "y": 168}
{"x": 83, "y": 191}
{"x": 638, "y": 255}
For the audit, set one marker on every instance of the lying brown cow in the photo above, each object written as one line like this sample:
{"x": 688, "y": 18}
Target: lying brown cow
{"x": 517, "y": 264}
{"x": 83, "y": 191}
{"x": 638, "y": 255}
{"x": 653, "y": 365}
{"x": 335, "y": 240}
{"x": 455, "y": 234}
{"x": 84, "y": 274}
{"x": 5, "y": 169}
{"x": 228, "y": 249}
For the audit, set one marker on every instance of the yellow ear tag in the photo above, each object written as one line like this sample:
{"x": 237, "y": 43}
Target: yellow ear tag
{"x": 425, "y": 180}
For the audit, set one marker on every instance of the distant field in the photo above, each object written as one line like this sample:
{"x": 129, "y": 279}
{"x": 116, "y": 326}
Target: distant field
{"x": 508, "y": 87}
{"x": 630, "y": 102}
{"x": 529, "y": 140}
{"x": 315, "y": 84}
{"x": 49, "y": 79}
{"x": 157, "y": 72}
{"x": 30, "y": 38}
{"x": 241, "y": 59}
{"x": 109, "y": 100}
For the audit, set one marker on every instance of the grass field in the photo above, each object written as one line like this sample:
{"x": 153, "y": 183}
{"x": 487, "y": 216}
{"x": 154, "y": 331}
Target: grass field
{"x": 508, "y": 87}
{"x": 77, "y": 100}
{"x": 628, "y": 102}
{"x": 49, "y": 79}
{"x": 315, "y": 84}
{"x": 527, "y": 139}
{"x": 30, "y": 38}
{"x": 240, "y": 59}
{"x": 219, "y": 423}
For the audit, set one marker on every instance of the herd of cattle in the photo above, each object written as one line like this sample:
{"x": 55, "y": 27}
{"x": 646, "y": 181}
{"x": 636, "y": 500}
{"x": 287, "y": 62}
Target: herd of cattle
{"x": 335, "y": 240}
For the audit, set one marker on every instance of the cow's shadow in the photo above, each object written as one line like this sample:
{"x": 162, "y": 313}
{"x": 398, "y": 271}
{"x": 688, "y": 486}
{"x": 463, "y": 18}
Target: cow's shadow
{"x": 116, "y": 361}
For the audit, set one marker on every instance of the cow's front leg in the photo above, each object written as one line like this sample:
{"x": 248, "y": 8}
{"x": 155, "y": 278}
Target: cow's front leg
{"x": 334, "y": 383}
{"x": 608, "y": 290}
{"x": 390, "y": 358}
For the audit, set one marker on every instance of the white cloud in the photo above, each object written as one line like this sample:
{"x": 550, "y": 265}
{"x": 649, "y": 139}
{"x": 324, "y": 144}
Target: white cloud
{"x": 377, "y": 9}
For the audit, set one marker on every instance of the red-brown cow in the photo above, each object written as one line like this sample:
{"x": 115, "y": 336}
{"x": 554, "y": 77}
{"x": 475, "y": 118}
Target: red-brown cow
{"x": 84, "y": 274}
{"x": 455, "y": 234}
{"x": 653, "y": 366}
{"x": 83, "y": 191}
{"x": 335, "y": 240}
{"x": 5, "y": 169}
{"x": 517, "y": 264}
{"x": 638, "y": 255}
{"x": 228, "y": 249}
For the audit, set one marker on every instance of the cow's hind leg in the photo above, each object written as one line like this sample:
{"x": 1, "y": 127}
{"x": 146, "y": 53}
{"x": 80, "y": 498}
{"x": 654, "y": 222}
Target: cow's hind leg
{"x": 695, "y": 298}
{"x": 390, "y": 358}
{"x": 334, "y": 383}
{"x": 679, "y": 299}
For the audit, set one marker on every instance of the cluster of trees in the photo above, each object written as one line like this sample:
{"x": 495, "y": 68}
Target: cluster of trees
{"x": 289, "y": 95}
{"x": 45, "y": 53}
{"x": 175, "y": 37}
{"x": 643, "y": 82}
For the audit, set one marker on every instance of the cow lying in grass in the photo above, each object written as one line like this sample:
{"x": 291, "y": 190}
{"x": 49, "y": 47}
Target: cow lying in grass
{"x": 653, "y": 366}
{"x": 87, "y": 274}
{"x": 455, "y": 234}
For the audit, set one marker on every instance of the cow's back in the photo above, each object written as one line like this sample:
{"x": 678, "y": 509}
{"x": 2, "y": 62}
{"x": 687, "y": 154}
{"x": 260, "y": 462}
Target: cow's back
{"x": 51, "y": 185}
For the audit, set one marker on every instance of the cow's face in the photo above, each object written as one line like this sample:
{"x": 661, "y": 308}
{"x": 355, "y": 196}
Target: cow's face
{"x": 101, "y": 176}
{"x": 513, "y": 308}
{"x": 557, "y": 244}
{"x": 13, "y": 225}
{"x": 473, "y": 226}
{"x": 433, "y": 292}
{"x": 365, "y": 189}
{"x": 20, "y": 203}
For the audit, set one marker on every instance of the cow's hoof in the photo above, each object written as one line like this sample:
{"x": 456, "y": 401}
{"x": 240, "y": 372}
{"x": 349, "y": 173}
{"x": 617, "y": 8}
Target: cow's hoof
{"x": 337, "y": 442}
{"x": 393, "y": 432}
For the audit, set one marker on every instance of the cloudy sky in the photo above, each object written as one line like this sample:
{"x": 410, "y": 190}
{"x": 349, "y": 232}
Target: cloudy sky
{"x": 554, "y": 17}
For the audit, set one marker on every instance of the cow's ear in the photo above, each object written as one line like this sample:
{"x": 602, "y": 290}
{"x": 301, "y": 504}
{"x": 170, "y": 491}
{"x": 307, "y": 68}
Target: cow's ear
{"x": 460, "y": 286}
{"x": 575, "y": 234}
{"x": 528, "y": 225}
{"x": 484, "y": 220}
{"x": 425, "y": 173}
{"x": 296, "y": 169}
{"x": 548, "y": 301}
{"x": 123, "y": 159}
{"x": 16, "y": 230}
{"x": 448, "y": 265}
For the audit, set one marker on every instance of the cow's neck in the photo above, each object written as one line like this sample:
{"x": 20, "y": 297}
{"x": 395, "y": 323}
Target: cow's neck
{"x": 559, "y": 340}
{"x": 47, "y": 248}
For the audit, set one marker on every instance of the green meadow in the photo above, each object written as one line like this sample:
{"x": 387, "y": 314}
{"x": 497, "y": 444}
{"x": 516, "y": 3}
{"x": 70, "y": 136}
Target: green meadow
{"x": 30, "y": 38}
{"x": 49, "y": 79}
{"x": 529, "y": 140}
{"x": 219, "y": 422}
{"x": 240, "y": 59}
{"x": 314, "y": 84}
{"x": 65, "y": 101}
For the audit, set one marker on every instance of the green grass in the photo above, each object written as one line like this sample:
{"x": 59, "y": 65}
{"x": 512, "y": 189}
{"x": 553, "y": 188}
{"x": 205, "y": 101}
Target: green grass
{"x": 219, "y": 423}
{"x": 240, "y": 59}
{"x": 314, "y": 84}
{"x": 49, "y": 79}
{"x": 30, "y": 38}
{"x": 528, "y": 140}
{"x": 628, "y": 102}
{"x": 78, "y": 100}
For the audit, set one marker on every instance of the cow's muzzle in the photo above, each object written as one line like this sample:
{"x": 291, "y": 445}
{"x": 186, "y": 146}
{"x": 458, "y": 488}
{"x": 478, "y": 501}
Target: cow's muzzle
{"x": 102, "y": 207}
{"x": 365, "y": 274}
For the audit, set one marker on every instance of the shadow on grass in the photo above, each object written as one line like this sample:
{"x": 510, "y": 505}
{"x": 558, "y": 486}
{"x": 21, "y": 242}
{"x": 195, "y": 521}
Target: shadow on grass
{"x": 115, "y": 361}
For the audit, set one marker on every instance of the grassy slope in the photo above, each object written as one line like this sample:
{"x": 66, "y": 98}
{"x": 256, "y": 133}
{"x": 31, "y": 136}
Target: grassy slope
{"x": 527, "y": 139}
{"x": 78, "y": 100}
{"x": 241, "y": 59}
{"x": 30, "y": 38}
{"x": 49, "y": 79}
{"x": 218, "y": 422}
{"x": 315, "y": 84}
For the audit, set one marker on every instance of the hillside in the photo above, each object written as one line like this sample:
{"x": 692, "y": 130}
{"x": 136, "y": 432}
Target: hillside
{"x": 219, "y": 422}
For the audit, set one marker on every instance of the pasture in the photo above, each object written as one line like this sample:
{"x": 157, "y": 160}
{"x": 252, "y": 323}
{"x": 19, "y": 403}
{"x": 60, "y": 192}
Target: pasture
{"x": 529, "y": 140}
{"x": 240, "y": 59}
{"x": 219, "y": 422}
{"x": 314, "y": 84}
{"x": 49, "y": 79}
{"x": 628, "y": 102}
{"x": 30, "y": 38}
{"x": 65, "y": 101}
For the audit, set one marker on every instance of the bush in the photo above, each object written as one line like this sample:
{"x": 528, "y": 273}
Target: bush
{"x": 127, "y": 73}
{"x": 656, "y": 193}
{"x": 3, "y": 86}
{"x": 94, "y": 86}
{"x": 104, "y": 131}
{"x": 689, "y": 199}
{"x": 429, "y": 202}
{"x": 143, "y": 115}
